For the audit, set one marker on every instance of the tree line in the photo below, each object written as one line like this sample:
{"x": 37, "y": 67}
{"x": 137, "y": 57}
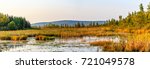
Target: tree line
{"x": 13, "y": 23}
{"x": 77, "y": 25}
{"x": 135, "y": 20}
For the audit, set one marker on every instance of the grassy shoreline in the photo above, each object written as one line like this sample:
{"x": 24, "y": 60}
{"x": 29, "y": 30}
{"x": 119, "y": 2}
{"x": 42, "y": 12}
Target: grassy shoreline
{"x": 137, "y": 40}
{"x": 134, "y": 43}
{"x": 42, "y": 34}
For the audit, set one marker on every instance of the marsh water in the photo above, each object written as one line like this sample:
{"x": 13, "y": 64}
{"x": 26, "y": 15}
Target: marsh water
{"x": 57, "y": 45}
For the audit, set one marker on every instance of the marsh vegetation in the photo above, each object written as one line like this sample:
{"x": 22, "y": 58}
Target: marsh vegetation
{"x": 129, "y": 34}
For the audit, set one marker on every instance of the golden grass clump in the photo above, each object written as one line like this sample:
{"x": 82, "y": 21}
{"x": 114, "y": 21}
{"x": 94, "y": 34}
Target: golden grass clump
{"x": 43, "y": 38}
{"x": 5, "y": 38}
{"x": 135, "y": 43}
{"x": 138, "y": 43}
{"x": 101, "y": 43}
{"x": 106, "y": 45}
{"x": 40, "y": 37}
{"x": 16, "y": 38}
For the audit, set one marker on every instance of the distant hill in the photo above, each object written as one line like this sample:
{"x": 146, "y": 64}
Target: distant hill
{"x": 68, "y": 22}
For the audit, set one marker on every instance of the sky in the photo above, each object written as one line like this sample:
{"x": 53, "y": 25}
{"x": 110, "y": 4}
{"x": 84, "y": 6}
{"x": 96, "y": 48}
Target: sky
{"x": 53, "y": 10}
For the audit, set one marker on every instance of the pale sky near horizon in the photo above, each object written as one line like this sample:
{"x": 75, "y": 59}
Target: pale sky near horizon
{"x": 53, "y": 10}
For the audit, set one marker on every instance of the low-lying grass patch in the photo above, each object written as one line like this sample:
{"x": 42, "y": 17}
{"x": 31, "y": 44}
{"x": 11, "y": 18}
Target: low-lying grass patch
{"x": 47, "y": 33}
{"x": 109, "y": 46}
{"x": 106, "y": 45}
{"x": 16, "y": 38}
{"x": 101, "y": 43}
{"x": 42, "y": 37}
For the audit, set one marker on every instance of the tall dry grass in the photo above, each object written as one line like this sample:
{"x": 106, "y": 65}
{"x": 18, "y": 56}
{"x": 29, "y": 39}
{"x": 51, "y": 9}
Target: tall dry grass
{"x": 138, "y": 43}
{"x": 58, "y": 32}
{"x": 135, "y": 43}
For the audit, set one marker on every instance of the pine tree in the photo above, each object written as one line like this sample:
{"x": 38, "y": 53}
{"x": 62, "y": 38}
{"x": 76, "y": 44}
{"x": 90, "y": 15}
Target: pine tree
{"x": 120, "y": 18}
{"x": 148, "y": 7}
{"x": 82, "y": 25}
{"x": 78, "y": 25}
{"x": 141, "y": 8}
{"x": 97, "y": 24}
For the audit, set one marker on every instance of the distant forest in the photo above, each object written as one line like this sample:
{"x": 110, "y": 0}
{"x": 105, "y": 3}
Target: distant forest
{"x": 13, "y": 23}
{"x": 77, "y": 25}
{"x": 135, "y": 20}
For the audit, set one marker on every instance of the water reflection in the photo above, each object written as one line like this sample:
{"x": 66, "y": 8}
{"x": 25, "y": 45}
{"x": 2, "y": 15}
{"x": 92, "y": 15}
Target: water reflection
{"x": 57, "y": 45}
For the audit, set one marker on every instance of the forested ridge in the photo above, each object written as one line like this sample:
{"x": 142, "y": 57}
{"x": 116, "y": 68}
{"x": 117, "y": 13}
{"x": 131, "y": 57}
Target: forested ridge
{"x": 13, "y": 23}
{"x": 134, "y": 20}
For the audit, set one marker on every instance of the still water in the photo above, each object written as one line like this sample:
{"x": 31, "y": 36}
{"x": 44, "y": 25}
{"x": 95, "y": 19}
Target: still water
{"x": 57, "y": 45}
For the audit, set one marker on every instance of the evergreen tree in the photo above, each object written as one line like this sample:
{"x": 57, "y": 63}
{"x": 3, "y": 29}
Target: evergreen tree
{"x": 93, "y": 24}
{"x": 120, "y": 18}
{"x": 148, "y": 7}
{"x": 12, "y": 26}
{"x": 82, "y": 25}
{"x": 97, "y": 24}
{"x": 141, "y": 8}
{"x": 78, "y": 25}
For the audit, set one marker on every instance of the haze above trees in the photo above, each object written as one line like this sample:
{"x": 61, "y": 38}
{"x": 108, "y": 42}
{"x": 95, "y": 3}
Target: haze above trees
{"x": 135, "y": 20}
